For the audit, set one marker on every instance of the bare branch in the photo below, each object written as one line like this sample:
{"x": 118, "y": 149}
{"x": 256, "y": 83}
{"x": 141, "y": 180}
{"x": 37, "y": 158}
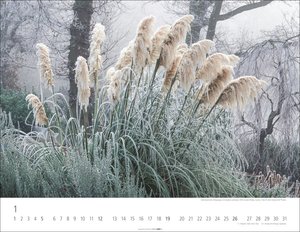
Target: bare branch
{"x": 250, "y": 124}
{"x": 244, "y": 8}
{"x": 270, "y": 100}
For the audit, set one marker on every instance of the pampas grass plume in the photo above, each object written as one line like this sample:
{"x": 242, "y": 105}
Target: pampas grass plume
{"x": 209, "y": 92}
{"x": 199, "y": 50}
{"x": 142, "y": 43}
{"x": 176, "y": 35}
{"x": 38, "y": 109}
{"x": 157, "y": 40}
{"x": 171, "y": 72}
{"x": 213, "y": 65}
{"x": 180, "y": 28}
{"x": 44, "y": 63}
{"x": 83, "y": 82}
{"x": 190, "y": 60}
{"x": 181, "y": 49}
{"x": 95, "y": 59}
{"x": 109, "y": 73}
{"x": 239, "y": 91}
{"x": 125, "y": 57}
{"x": 114, "y": 89}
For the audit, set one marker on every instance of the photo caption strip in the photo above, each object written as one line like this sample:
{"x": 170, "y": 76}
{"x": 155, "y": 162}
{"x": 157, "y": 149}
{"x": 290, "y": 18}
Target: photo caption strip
{"x": 143, "y": 214}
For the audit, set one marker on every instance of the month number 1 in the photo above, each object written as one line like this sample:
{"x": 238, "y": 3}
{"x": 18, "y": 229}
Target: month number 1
{"x": 15, "y": 208}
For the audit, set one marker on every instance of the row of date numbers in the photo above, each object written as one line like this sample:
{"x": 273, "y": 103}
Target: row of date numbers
{"x": 151, "y": 218}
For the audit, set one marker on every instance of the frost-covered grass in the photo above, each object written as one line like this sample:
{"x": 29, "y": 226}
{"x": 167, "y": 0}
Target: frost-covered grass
{"x": 140, "y": 136}
{"x": 146, "y": 145}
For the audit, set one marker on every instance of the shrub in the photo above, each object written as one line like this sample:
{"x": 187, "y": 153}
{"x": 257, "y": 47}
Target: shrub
{"x": 13, "y": 101}
{"x": 271, "y": 184}
{"x": 279, "y": 155}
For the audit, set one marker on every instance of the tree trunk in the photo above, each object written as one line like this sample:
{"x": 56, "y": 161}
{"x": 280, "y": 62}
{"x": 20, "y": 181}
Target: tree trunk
{"x": 275, "y": 113}
{"x": 199, "y": 10}
{"x": 213, "y": 19}
{"x": 261, "y": 147}
{"x": 79, "y": 43}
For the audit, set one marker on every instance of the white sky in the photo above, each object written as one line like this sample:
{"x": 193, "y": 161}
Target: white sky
{"x": 251, "y": 22}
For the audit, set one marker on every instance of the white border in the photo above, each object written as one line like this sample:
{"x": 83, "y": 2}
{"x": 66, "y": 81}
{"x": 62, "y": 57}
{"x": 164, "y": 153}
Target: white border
{"x": 251, "y": 214}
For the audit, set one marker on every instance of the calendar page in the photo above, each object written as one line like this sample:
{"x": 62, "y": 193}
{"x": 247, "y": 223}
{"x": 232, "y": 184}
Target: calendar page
{"x": 211, "y": 214}
{"x": 177, "y": 115}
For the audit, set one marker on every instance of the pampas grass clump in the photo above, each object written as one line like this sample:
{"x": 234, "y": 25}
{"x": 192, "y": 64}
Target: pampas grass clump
{"x": 143, "y": 138}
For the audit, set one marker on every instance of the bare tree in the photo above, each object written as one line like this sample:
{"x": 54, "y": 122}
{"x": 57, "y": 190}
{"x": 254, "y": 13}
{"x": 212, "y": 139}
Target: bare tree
{"x": 14, "y": 45}
{"x": 25, "y": 23}
{"x": 209, "y": 12}
{"x": 276, "y": 111}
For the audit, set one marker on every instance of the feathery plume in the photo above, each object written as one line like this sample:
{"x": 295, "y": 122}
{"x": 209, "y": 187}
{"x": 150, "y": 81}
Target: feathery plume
{"x": 190, "y": 60}
{"x": 180, "y": 28}
{"x": 268, "y": 169}
{"x": 38, "y": 109}
{"x": 176, "y": 35}
{"x": 83, "y": 82}
{"x": 142, "y": 43}
{"x": 157, "y": 40}
{"x": 213, "y": 65}
{"x": 109, "y": 73}
{"x": 44, "y": 63}
{"x": 114, "y": 89}
{"x": 181, "y": 49}
{"x": 239, "y": 91}
{"x": 199, "y": 50}
{"x": 95, "y": 59}
{"x": 209, "y": 92}
{"x": 125, "y": 57}
{"x": 171, "y": 72}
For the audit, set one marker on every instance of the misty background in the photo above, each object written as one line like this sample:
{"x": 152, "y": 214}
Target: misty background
{"x": 247, "y": 27}
{"x": 265, "y": 37}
